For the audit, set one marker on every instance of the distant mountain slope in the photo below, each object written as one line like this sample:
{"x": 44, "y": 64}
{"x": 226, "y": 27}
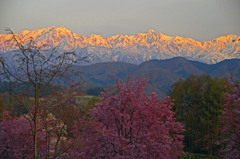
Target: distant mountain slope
{"x": 130, "y": 48}
{"x": 161, "y": 73}
{"x": 103, "y": 74}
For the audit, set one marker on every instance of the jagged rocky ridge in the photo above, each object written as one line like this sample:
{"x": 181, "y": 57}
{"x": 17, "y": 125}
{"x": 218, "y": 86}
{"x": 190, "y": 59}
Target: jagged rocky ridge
{"x": 132, "y": 49}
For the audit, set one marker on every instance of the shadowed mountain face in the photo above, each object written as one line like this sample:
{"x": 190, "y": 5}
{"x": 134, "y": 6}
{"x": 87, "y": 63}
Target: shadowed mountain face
{"x": 161, "y": 73}
{"x": 129, "y": 48}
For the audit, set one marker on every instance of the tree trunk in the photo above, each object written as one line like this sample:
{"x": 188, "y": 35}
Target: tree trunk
{"x": 36, "y": 102}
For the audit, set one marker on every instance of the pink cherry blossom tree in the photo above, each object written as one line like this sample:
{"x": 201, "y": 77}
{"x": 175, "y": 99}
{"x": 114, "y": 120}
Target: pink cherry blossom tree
{"x": 16, "y": 138}
{"x": 128, "y": 123}
{"x": 231, "y": 122}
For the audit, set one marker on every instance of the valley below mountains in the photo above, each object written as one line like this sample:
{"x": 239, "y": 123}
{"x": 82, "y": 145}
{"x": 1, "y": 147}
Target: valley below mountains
{"x": 133, "y": 49}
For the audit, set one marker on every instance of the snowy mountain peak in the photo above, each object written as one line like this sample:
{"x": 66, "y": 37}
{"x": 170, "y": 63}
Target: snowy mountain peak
{"x": 51, "y": 28}
{"x": 151, "y": 31}
{"x": 226, "y": 38}
{"x": 134, "y": 49}
{"x": 62, "y": 29}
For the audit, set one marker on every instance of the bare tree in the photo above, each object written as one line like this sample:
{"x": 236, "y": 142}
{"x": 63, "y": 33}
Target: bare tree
{"x": 36, "y": 67}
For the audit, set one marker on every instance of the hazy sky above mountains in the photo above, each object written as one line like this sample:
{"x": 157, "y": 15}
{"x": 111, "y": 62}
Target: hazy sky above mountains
{"x": 197, "y": 19}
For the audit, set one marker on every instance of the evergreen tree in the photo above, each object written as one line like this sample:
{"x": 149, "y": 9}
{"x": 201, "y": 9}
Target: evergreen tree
{"x": 198, "y": 105}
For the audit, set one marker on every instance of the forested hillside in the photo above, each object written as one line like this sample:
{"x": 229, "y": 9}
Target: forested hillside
{"x": 161, "y": 73}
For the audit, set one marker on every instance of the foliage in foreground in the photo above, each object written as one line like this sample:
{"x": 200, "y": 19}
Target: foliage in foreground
{"x": 56, "y": 116}
{"x": 16, "y": 138}
{"x": 130, "y": 124}
{"x": 127, "y": 123}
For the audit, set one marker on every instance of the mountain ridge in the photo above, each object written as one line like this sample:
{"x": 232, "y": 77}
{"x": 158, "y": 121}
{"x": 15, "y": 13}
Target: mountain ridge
{"x": 138, "y": 48}
{"x": 161, "y": 73}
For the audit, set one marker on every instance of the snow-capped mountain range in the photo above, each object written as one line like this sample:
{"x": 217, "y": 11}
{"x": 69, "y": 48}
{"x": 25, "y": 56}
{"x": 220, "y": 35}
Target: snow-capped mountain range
{"x": 130, "y": 48}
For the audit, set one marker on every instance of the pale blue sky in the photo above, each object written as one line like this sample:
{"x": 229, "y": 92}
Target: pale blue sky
{"x": 197, "y": 19}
